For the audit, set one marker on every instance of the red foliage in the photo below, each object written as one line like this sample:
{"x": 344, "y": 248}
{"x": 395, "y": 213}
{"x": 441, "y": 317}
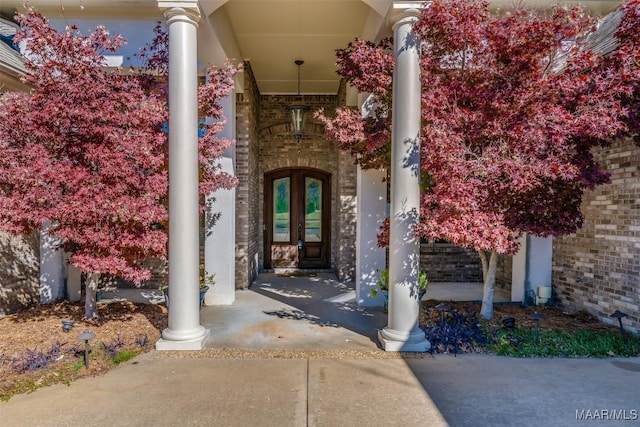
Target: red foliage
{"x": 369, "y": 68}
{"x": 511, "y": 106}
{"x": 84, "y": 153}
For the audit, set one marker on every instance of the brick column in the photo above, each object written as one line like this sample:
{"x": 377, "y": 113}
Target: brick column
{"x": 184, "y": 331}
{"x": 402, "y": 332}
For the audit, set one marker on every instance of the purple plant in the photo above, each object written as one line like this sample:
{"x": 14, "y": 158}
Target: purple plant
{"x": 142, "y": 340}
{"x": 456, "y": 333}
{"x": 111, "y": 349}
{"x": 33, "y": 360}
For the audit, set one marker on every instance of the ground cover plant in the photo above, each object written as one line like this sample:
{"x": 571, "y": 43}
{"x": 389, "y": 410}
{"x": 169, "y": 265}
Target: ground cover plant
{"x": 461, "y": 329}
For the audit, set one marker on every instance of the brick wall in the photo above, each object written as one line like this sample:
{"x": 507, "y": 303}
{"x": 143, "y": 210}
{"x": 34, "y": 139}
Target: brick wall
{"x": 247, "y": 192}
{"x": 347, "y": 212}
{"x": 19, "y": 272}
{"x": 503, "y": 273}
{"x": 279, "y": 149}
{"x": 447, "y": 263}
{"x": 597, "y": 269}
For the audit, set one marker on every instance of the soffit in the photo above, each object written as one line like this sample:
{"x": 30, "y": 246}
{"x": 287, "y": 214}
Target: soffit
{"x": 272, "y": 34}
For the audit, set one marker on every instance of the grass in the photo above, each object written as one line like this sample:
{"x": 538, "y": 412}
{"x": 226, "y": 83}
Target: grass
{"x": 521, "y": 342}
{"x": 123, "y": 356}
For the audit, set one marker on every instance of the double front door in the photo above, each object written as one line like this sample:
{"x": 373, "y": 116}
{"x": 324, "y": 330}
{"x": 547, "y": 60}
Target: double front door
{"x": 297, "y": 219}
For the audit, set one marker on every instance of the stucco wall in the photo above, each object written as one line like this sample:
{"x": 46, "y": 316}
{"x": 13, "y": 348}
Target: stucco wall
{"x": 597, "y": 269}
{"x": 19, "y": 272}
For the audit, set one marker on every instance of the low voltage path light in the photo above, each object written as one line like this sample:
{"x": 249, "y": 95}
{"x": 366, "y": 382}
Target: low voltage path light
{"x": 86, "y": 336}
{"x": 67, "y": 325}
{"x": 443, "y": 308}
{"x": 619, "y": 315}
{"x": 509, "y": 322}
{"x": 537, "y": 317}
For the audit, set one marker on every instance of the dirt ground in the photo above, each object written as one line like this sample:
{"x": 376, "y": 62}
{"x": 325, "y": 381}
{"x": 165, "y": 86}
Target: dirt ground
{"x": 27, "y": 339}
{"x": 35, "y": 334}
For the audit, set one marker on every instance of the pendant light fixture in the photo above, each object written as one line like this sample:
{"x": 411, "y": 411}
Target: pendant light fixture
{"x": 298, "y": 110}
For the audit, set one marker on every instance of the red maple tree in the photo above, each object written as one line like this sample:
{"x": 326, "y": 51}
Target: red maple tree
{"x": 512, "y": 104}
{"x": 84, "y": 153}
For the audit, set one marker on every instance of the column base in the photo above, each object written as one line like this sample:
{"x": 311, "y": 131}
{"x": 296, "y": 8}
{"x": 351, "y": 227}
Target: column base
{"x": 414, "y": 341}
{"x": 182, "y": 344}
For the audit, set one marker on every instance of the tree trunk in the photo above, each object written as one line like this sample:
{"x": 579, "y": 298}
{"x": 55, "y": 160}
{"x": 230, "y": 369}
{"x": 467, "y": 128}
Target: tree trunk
{"x": 90, "y": 295}
{"x": 489, "y": 268}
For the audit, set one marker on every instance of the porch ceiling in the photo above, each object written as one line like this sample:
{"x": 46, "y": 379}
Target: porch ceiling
{"x": 272, "y": 34}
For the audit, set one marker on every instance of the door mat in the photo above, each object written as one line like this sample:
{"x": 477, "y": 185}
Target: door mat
{"x": 296, "y": 274}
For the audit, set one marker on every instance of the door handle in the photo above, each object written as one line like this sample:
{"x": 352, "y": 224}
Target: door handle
{"x": 299, "y": 237}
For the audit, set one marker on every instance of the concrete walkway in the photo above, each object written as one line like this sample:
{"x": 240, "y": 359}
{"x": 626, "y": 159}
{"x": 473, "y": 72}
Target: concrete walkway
{"x": 212, "y": 388}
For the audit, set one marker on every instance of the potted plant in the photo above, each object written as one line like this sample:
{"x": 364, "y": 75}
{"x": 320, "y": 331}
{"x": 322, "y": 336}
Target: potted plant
{"x": 423, "y": 284}
{"x": 383, "y": 286}
{"x": 207, "y": 280}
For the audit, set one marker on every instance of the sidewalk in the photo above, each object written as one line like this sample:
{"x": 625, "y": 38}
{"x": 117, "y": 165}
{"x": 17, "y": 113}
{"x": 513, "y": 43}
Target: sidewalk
{"x": 240, "y": 388}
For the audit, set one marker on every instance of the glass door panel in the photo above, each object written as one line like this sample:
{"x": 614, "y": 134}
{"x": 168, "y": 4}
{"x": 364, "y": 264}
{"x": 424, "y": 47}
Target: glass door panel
{"x": 313, "y": 210}
{"x": 282, "y": 209}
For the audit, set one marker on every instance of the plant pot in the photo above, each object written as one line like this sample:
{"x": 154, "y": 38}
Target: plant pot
{"x": 203, "y": 291}
{"x": 421, "y": 294}
{"x": 385, "y": 295}
{"x": 165, "y": 292}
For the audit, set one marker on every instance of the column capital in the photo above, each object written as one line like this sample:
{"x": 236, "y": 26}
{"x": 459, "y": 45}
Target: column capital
{"x": 176, "y": 10}
{"x": 402, "y": 11}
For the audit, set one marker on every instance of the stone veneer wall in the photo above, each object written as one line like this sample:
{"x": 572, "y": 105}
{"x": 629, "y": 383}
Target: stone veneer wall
{"x": 248, "y": 190}
{"x": 279, "y": 149}
{"x": 448, "y": 263}
{"x": 19, "y": 272}
{"x": 597, "y": 269}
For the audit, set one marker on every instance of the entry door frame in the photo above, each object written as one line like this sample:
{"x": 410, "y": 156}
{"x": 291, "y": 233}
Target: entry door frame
{"x": 297, "y": 178}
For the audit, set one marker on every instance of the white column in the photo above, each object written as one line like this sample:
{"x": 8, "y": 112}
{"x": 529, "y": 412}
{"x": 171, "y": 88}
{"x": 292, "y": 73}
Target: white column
{"x": 372, "y": 211}
{"x": 402, "y": 332}
{"x": 220, "y": 240}
{"x": 184, "y": 331}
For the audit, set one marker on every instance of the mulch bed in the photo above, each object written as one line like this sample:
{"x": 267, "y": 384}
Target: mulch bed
{"x": 554, "y": 317}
